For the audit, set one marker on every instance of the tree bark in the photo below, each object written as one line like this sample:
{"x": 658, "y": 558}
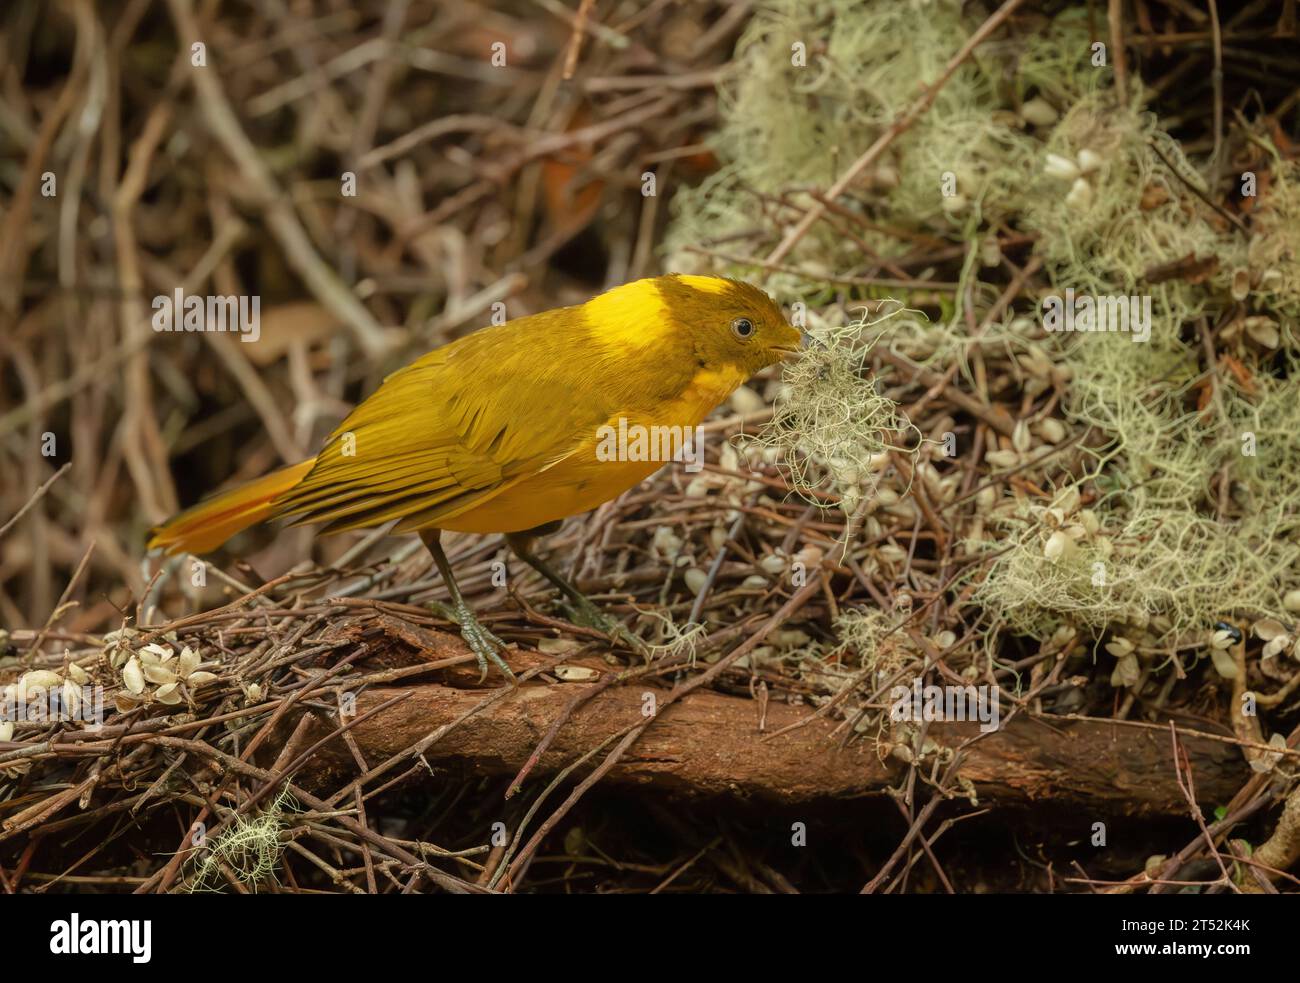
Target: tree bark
{"x": 710, "y": 744}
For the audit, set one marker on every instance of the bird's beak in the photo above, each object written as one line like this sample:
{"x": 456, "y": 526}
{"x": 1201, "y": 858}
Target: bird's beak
{"x": 791, "y": 350}
{"x": 788, "y": 350}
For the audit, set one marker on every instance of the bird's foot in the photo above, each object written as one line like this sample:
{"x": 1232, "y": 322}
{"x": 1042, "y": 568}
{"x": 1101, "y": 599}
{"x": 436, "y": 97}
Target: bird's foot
{"x": 582, "y": 611}
{"x": 485, "y": 645}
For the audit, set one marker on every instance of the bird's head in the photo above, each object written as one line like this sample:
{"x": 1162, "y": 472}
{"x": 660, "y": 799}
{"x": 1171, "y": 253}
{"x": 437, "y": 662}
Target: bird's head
{"x": 728, "y": 324}
{"x": 664, "y": 333}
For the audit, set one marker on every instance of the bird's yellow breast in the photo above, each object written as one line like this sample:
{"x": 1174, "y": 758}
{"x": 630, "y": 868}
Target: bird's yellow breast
{"x": 587, "y": 477}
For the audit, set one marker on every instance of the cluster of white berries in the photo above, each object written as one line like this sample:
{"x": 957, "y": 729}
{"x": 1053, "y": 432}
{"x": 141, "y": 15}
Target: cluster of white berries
{"x": 1260, "y": 328}
{"x": 39, "y": 685}
{"x": 733, "y": 488}
{"x": 172, "y": 676}
{"x": 1069, "y": 525}
{"x": 1275, "y": 636}
{"x": 1076, "y": 172}
{"x": 161, "y": 666}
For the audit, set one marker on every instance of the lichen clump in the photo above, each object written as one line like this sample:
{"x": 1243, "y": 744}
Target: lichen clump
{"x": 248, "y": 849}
{"x": 831, "y": 428}
{"x": 1178, "y": 506}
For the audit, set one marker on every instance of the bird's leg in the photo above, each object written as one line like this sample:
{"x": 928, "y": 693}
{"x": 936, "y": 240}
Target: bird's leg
{"x": 483, "y": 643}
{"x": 583, "y": 610}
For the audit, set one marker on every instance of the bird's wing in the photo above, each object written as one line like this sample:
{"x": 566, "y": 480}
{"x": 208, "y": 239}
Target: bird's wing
{"x": 452, "y": 430}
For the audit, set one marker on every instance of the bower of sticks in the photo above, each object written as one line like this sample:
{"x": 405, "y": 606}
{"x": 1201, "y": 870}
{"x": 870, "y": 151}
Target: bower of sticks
{"x": 1095, "y": 534}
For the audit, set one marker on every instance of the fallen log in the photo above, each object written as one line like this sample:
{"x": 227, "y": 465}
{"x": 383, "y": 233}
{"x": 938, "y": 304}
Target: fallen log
{"x": 710, "y": 744}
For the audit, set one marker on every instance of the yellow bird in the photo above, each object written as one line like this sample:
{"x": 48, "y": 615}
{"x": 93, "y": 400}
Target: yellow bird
{"x": 507, "y": 430}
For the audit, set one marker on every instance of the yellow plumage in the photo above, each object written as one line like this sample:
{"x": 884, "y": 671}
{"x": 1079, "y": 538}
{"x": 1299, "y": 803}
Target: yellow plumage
{"x": 497, "y": 431}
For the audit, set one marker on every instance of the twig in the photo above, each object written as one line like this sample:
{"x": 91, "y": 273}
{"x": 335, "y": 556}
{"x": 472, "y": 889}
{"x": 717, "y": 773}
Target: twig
{"x": 284, "y": 224}
{"x": 899, "y": 126}
{"x": 36, "y": 496}
{"x": 575, "y": 41}
{"x": 1115, "y": 18}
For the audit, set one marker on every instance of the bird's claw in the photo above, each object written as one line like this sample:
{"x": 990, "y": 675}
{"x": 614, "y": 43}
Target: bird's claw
{"x": 583, "y": 612}
{"x": 484, "y": 643}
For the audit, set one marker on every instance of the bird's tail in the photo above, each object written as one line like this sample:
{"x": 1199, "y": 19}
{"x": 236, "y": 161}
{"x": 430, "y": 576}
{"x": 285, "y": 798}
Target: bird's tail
{"x": 205, "y": 526}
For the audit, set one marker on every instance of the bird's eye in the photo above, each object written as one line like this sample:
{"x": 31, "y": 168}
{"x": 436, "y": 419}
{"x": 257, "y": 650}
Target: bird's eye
{"x": 742, "y": 327}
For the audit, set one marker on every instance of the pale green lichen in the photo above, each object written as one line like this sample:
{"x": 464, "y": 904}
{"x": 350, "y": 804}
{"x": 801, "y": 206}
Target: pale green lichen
{"x": 1191, "y": 466}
